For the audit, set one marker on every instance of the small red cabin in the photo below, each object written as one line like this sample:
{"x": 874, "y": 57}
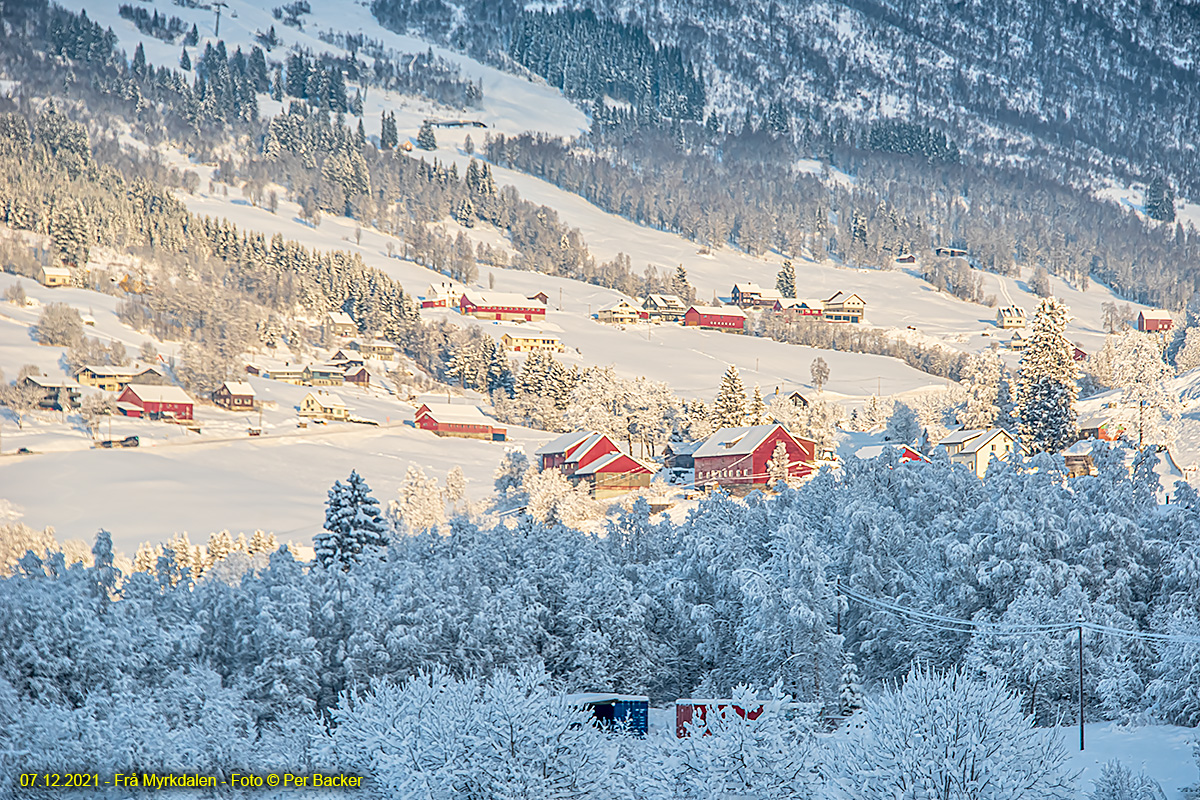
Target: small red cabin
{"x": 688, "y": 709}
{"x": 1154, "y": 321}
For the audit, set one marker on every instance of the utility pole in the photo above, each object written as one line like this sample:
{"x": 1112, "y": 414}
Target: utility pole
{"x": 1081, "y": 682}
{"x": 218, "y": 6}
{"x": 837, "y": 583}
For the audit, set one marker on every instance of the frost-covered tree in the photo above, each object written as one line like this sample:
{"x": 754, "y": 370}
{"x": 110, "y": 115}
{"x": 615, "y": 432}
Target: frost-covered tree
{"x": 353, "y": 524}
{"x": 1119, "y": 782}
{"x": 1048, "y": 388}
{"x": 59, "y": 324}
{"x": 426, "y": 140}
{"x": 456, "y": 490}
{"x": 981, "y": 383}
{"x": 756, "y": 414}
{"x": 509, "y": 478}
{"x": 903, "y": 426}
{"x": 777, "y": 466}
{"x": 552, "y": 499}
{"x": 785, "y": 281}
{"x": 850, "y": 696}
{"x": 876, "y": 412}
{"x": 951, "y": 736}
{"x": 419, "y": 504}
{"x": 819, "y": 371}
{"x": 1148, "y": 406}
{"x": 729, "y": 408}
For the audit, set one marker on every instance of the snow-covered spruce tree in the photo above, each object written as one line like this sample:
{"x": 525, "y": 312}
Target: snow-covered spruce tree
{"x": 1047, "y": 389}
{"x": 353, "y": 523}
{"x": 950, "y": 736}
{"x": 426, "y": 140}
{"x": 903, "y": 426}
{"x": 981, "y": 381}
{"x": 509, "y": 477}
{"x": 850, "y": 696}
{"x": 729, "y": 409}
{"x": 1148, "y": 407}
{"x": 757, "y": 413}
{"x": 777, "y": 467}
{"x": 785, "y": 281}
{"x": 1119, "y": 782}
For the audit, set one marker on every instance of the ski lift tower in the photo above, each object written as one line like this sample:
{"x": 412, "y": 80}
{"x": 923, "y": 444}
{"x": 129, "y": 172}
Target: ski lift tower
{"x": 218, "y": 6}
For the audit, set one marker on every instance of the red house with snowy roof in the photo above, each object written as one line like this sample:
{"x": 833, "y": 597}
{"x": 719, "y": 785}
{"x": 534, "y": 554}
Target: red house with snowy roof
{"x": 1154, "y": 321}
{"x": 573, "y": 451}
{"x": 738, "y": 457}
{"x": 721, "y": 318}
{"x": 460, "y": 421}
{"x": 138, "y": 400}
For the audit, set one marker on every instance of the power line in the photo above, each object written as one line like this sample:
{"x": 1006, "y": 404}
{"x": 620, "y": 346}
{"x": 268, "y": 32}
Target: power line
{"x": 958, "y": 625}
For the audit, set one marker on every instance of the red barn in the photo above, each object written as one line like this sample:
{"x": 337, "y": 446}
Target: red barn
{"x": 139, "y": 400}
{"x": 738, "y": 457}
{"x": 460, "y": 421}
{"x": 614, "y": 474}
{"x": 1154, "y": 321}
{"x": 553, "y": 454}
{"x": 725, "y": 318}
{"x": 501, "y": 306}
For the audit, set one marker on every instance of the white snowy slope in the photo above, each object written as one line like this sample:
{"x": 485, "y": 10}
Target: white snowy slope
{"x": 511, "y": 104}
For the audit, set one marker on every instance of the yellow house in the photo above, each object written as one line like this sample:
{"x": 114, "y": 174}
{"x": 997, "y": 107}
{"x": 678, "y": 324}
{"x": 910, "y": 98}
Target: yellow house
{"x": 844, "y": 307}
{"x": 292, "y": 375}
{"x": 115, "y": 379}
{"x": 976, "y": 447}
{"x": 323, "y": 405}
{"x": 623, "y": 313}
{"x": 54, "y": 276}
{"x": 519, "y": 344}
{"x": 1010, "y": 317}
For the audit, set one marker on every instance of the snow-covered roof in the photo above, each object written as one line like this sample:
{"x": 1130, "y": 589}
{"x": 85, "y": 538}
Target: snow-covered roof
{"x": 735, "y": 441}
{"x": 238, "y": 387}
{"x": 562, "y": 444}
{"x": 962, "y": 435}
{"x": 1012, "y": 311}
{"x": 728, "y": 311}
{"x": 449, "y": 412}
{"x": 600, "y": 463}
{"x": 340, "y": 318}
{"x": 583, "y": 448}
{"x": 685, "y": 448}
{"x": 114, "y": 372}
{"x": 501, "y": 299}
{"x": 798, "y": 303}
{"x": 663, "y": 301}
{"x": 159, "y": 394}
{"x": 1156, "y": 313}
{"x": 748, "y": 288}
{"x": 876, "y": 450}
{"x": 326, "y": 399}
{"x": 58, "y": 272}
{"x": 447, "y": 289}
{"x": 977, "y": 444}
{"x": 589, "y": 698}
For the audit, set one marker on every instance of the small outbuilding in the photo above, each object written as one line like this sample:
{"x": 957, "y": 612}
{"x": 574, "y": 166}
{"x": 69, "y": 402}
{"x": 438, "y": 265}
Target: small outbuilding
{"x": 622, "y": 712}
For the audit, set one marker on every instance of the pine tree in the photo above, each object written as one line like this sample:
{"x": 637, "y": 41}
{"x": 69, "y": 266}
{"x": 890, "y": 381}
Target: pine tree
{"x": 185, "y": 63}
{"x": 388, "y": 136}
{"x": 352, "y": 522}
{"x": 729, "y": 409}
{"x": 1047, "y": 389}
{"x": 1160, "y": 200}
{"x": 785, "y": 282}
{"x": 757, "y": 413}
{"x": 193, "y": 37}
{"x": 426, "y": 140}
{"x": 850, "y": 696}
{"x": 681, "y": 288}
{"x": 778, "y": 466}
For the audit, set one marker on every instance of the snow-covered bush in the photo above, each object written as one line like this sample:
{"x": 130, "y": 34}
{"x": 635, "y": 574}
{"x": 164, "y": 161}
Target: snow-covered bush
{"x": 436, "y": 737}
{"x": 1118, "y": 782}
{"x": 946, "y": 735}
